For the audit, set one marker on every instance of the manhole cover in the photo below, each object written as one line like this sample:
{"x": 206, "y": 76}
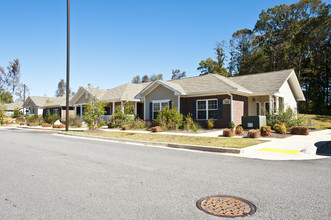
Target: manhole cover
{"x": 226, "y": 206}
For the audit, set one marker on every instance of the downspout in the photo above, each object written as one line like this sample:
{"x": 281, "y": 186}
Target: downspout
{"x": 231, "y": 107}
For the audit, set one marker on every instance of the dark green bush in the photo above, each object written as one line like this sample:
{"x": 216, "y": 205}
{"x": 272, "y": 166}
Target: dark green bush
{"x": 51, "y": 118}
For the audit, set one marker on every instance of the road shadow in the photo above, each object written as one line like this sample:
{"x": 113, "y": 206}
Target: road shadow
{"x": 323, "y": 148}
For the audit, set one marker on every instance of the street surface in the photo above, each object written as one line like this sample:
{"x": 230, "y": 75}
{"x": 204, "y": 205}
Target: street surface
{"x": 49, "y": 176}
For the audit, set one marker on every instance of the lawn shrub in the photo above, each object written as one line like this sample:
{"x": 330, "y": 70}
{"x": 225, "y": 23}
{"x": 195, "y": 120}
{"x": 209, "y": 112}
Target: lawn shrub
{"x": 210, "y": 123}
{"x": 20, "y": 119}
{"x": 288, "y": 117}
{"x": 51, "y": 118}
{"x": 157, "y": 129}
{"x": 59, "y": 126}
{"x": 119, "y": 118}
{"x": 22, "y": 123}
{"x": 100, "y": 123}
{"x": 239, "y": 130}
{"x": 17, "y": 113}
{"x": 280, "y": 128}
{"x": 254, "y": 133}
{"x": 265, "y": 131}
{"x": 33, "y": 124}
{"x": 75, "y": 122}
{"x": 188, "y": 122}
{"x": 139, "y": 124}
{"x": 34, "y": 119}
{"x": 228, "y": 132}
{"x": 126, "y": 127}
{"x": 299, "y": 130}
{"x": 45, "y": 125}
{"x": 169, "y": 118}
{"x": 2, "y": 117}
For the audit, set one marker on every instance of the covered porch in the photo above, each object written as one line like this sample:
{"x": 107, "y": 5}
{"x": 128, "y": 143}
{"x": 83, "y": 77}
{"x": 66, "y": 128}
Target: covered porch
{"x": 263, "y": 104}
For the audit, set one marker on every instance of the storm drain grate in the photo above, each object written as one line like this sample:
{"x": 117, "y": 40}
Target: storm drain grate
{"x": 226, "y": 206}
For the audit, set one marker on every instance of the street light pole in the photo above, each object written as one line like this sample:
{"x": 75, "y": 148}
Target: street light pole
{"x": 68, "y": 64}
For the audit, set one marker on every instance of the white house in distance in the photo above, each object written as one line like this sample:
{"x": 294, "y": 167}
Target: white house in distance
{"x": 10, "y": 107}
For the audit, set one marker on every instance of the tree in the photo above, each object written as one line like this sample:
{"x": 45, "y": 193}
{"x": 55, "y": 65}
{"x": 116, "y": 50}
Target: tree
{"x": 211, "y": 66}
{"x": 155, "y": 77}
{"x": 145, "y": 78}
{"x": 61, "y": 88}
{"x": 176, "y": 74}
{"x": 94, "y": 110}
{"x": 13, "y": 75}
{"x": 136, "y": 80}
{"x": 5, "y": 97}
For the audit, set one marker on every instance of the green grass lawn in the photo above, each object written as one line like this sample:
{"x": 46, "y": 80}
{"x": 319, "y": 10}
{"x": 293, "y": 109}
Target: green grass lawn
{"x": 179, "y": 139}
{"x": 321, "y": 121}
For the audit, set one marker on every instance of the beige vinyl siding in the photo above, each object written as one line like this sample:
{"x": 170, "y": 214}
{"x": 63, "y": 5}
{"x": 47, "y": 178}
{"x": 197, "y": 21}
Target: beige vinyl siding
{"x": 252, "y": 104}
{"x": 288, "y": 97}
{"x": 82, "y": 99}
{"x": 160, "y": 93}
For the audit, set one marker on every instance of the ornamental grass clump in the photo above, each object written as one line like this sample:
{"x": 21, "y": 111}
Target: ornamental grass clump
{"x": 253, "y": 133}
{"x": 228, "y": 132}
{"x": 265, "y": 131}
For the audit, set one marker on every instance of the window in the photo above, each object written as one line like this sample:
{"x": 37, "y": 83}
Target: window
{"x": 56, "y": 111}
{"x": 158, "y": 105}
{"x": 207, "y": 109}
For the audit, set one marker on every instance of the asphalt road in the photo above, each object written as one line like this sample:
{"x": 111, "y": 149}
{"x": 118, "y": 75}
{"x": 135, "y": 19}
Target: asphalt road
{"x": 47, "y": 176}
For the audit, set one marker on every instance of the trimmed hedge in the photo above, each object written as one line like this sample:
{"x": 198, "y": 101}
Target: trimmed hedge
{"x": 157, "y": 129}
{"x": 22, "y": 123}
{"x": 239, "y": 130}
{"x": 126, "y": 127}
{"x": 299, "y": 130}
{"x": 45, "y": 125}
{"x": 228, "y": 132}
{"x": 254, "y": 133}
{"x": 280, "y": 128}
{"x": 59, "y": 126}
{"x": 33, "y": 124}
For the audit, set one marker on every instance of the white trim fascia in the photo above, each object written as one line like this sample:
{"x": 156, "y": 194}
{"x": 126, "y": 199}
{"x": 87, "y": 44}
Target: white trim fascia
{"x": 161, "y": 100}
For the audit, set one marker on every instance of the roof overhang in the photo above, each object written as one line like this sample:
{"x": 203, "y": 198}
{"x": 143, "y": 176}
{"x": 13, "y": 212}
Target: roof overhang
{"x": 81, "y": 91}
{"x": 295, "y": 86}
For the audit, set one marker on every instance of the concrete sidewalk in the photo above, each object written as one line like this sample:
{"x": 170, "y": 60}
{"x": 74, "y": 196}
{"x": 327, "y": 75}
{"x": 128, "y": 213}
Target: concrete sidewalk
{"x": 296, "y": 147}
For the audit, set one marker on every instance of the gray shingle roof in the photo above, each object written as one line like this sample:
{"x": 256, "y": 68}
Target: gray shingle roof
{"x": 263, "y": 82}
{"x": 12, "y": 106}
{"x": 127, "y": 91}
{"x": 57, "y": 101}
{"x": 41, "y": 101}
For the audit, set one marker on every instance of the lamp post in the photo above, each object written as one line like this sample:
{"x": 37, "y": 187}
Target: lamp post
{"x": 68, "y": 64}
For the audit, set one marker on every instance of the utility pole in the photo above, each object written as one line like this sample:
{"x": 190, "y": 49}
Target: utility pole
{"x": 68, "y": 64}
{"x": 24, "y": 111}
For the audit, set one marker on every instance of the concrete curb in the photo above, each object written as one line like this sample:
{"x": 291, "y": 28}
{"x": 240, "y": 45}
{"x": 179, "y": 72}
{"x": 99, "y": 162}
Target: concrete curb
{"x": 170, "y": 145}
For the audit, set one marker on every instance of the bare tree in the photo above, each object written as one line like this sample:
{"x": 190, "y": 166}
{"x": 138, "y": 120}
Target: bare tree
{"x": 145, "y": 78}
{"x": 61, "y": 88}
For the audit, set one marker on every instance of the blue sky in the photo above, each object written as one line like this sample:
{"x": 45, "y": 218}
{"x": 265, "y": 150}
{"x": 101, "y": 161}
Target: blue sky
{"x": 113, "y": 41}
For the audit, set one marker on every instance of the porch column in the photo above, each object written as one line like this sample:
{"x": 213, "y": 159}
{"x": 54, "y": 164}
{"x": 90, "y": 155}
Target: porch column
{"x": 113, "y": 111}
{"x": 277, "y": 104}
{"x": 81, "y": 110}
{"x": 75, "y": 110}
{"x": 122, "y": 106}
{"x": 271, "y": 104}
{"x": 135, "y": 108}
{"x": 145, "y": 108}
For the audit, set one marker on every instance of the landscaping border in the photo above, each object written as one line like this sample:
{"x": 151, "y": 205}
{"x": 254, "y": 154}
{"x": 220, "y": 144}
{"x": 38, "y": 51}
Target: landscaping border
{"x": 170, "y": 145}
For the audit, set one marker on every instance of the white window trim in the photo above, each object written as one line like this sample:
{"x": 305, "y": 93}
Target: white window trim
{"x": 206, "y": 100}
{"x": 158, "y": 101}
